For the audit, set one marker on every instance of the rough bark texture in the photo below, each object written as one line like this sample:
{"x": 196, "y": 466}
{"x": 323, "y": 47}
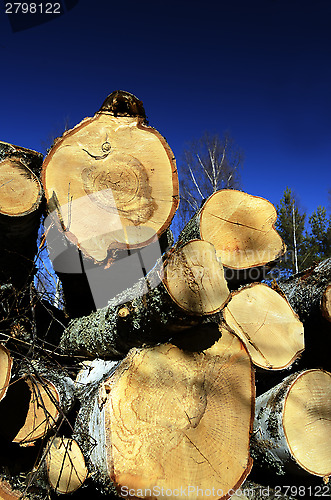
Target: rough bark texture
{"x": 146, "y": 313}
{"x": 305, "y": 292}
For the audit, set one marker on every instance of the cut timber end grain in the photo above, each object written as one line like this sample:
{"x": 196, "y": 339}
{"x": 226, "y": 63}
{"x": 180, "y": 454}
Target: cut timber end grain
{"x": 65, "y": 465}
{"x": 326, "y": 303}
{"x": 174, "y": 418}
{"x": 292, "y": 424}
{"x": 113, "y": 182}
{"x": 42, "y": 413}
{"x": 20, "y": 189}
{"x": 195, "y": 279}
{"x": 241, "y": 227}
{"x": 307, "y": 421}
{"x": 7, "y": 492}
{"x": 6, "y": 362}
{"x": 267, "y": 325}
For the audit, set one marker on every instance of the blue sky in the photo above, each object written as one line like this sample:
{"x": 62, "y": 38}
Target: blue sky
{"x": 260, "y": 69}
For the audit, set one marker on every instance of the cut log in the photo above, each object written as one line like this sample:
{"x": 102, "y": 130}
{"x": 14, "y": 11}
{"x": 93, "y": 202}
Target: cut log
{"x": 241, "y": 228}
{"x": 20, "y": 211}
{"x": 293, "y": 424}
{"x": 268, "y": 326}
{"x": 6, "y": 362}
{"x": 309, "y": 291}
{"x": 66, "y": 467}
{"x": 34, "y": 404}
{"x": 171, "y": 419}
{"x": 309, "y": 294}
{"x": 178, "y": 294}
{"x": 112, "y": 180}
{"x": 326, "y": 303}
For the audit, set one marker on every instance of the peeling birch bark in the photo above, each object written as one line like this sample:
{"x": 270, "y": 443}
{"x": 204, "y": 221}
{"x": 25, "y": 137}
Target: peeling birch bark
{"x": 187, "y": 290}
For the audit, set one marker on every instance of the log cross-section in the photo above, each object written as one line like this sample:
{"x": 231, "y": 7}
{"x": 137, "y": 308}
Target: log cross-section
{"x": 111, "y": 182}
{"x": 171, "y": 419}
{"x": 241, "y": 228}
{"x": 266, "y": 323}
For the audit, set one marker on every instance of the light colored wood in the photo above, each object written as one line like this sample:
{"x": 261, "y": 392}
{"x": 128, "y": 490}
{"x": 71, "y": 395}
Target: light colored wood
{"x": 6, "y": 362}
{"x": 65, "y": 465}
{"x": 268, "y": 326}
{"x": 195, "y": 279}
{"x": 113, "y": 181}
{"x": 8, "y": 493}
{"x": 20, "y": 189}
{"x": 307, "y": 421}
{"x": 241, "y": 227}
{"x": 326, "y": 303}
{"x": 293, "y": 423}
{"x": 174, "y": 419}
{"x": 43, "y": 411}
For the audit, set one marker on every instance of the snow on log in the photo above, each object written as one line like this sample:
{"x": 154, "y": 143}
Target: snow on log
{"x": 241, "y": 228}
{"x": 166, "y": 418}
{"x": 112, "y": 180}
{"x": 293, "y": 424}
{"x": 266, "y": 323}
{"x": 309, "y": 291}
{"x": 180, "y": 293}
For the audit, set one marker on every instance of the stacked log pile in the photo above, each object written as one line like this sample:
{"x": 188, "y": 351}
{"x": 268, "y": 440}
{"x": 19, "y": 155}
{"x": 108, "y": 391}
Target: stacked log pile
{"x": 173, "y": 371}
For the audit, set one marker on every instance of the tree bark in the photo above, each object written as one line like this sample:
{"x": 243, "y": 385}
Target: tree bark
{"x": 111, "y": 182}
{"x": 268, "y": 326}
{"x": 166, "y": 418}
{"x": 308, "y": 294}
{"x": 6, "y": 362}
{"x": 305, "y": 290}
{"x": 241, "y": 228}
{"x": 188, "y": 289}
{"x": 292, "y": 424}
